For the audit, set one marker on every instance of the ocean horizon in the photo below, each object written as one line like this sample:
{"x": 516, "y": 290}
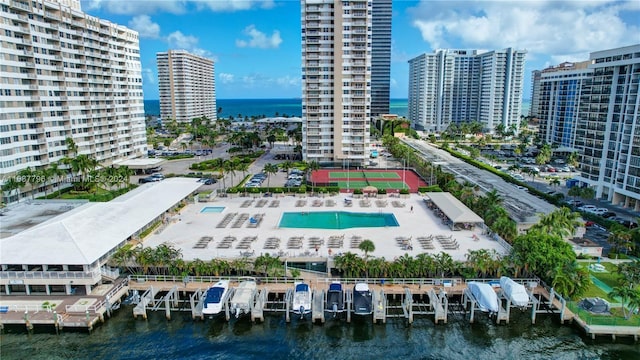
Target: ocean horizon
{"x": 240, "y": 108}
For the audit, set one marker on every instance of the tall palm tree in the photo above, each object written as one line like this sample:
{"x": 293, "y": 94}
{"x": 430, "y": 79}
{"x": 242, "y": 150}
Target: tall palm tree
{"x": 270, "y": 169}
{"x": 27, "y": 177}
{"x": 12, "y": 184}
{"x": 311, "y": 167}
{"x": 55, "y": 173}
{"x": 367, "y": 246}
{"x": 629, "y": 298}
{"x": 267, "y": 262}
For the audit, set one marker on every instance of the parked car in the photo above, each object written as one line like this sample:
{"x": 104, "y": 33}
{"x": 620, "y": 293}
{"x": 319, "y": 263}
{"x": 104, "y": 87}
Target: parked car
{"x": 608, "y": 214}
{"x": 148, "y": 179}
{"x": 587, "y": 208}
{"x": 157, "y": 176}
{"x": 210, "y": 181}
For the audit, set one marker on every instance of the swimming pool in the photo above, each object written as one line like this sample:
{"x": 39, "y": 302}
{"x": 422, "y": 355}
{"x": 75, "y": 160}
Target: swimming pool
{"x": 336, "y": 220}
{"x": 212, "y": 209}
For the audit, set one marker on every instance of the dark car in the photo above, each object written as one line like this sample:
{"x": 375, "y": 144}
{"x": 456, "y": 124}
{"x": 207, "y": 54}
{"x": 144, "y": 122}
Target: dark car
{"x": 609, "y": 214}
{"x": 210, "y": 181}
{"x": 148, "y": 180}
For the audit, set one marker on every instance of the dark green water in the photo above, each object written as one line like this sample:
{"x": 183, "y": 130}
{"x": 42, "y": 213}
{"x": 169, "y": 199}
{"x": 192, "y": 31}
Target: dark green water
{"x": 123, "y": 337}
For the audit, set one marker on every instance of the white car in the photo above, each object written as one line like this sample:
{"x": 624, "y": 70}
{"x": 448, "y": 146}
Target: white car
{"x": 600, "y": 211}
{"x": 587, "y": 208}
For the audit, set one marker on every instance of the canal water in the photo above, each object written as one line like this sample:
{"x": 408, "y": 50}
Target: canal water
{"x": 123, "y": 337}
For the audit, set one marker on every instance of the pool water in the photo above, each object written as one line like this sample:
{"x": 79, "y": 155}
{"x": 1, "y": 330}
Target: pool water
{"x": 212, "y": 209}
{"x": 336, "y": 220}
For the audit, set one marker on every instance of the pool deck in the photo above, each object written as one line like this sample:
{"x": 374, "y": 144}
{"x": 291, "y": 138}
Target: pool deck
{"x": 187, "y": 228}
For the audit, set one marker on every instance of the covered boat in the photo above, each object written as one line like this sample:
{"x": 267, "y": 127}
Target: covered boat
{"x": 243, "y": 297}
{"x": 485, "y": 296}
{"x": 301, "y": 299}
{"x": 335, "y": 299}
{"x": 362, "y": 299}
{"x": 215, "y": 295}
{"x": 515, "y": 292}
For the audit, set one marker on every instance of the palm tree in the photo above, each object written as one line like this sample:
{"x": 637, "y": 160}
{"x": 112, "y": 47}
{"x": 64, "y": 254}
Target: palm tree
{"x": 349, "y": 264}
{"x": 311, "y": 167}
{"x": 367, "y": 246}
{"x": 444, "y": 263}
{"x": 12, "y": 184}
{"x": 55, "y": 173}
{"x": 268, "y": 262}
{"x": 629, "y": 298}
{"x": 270, "y": 169}
{"x": 620, "y": 237}
{"x": 27, "y": 176}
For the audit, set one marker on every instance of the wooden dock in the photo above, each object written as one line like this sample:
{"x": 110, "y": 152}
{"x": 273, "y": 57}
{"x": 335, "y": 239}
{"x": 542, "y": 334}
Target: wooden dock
{"x": 403, "y": 299}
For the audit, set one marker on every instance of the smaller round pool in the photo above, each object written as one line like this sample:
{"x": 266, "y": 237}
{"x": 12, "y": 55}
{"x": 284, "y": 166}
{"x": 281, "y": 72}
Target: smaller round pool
{"x": 212, "y": 209}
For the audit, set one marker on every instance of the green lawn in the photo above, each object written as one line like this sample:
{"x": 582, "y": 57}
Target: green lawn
{"x": 595, "y": 291}
{"x": 615, "y": 318}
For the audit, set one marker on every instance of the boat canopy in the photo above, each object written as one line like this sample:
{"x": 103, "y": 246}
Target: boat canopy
{"x": 362, "y": 287}
{"x": 335, "y": 287}
{"x": 302, "y": 287}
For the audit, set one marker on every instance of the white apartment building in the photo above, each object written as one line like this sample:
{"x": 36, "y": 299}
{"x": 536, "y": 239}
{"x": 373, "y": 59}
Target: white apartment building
{"x": 187, "y": 86}
{"x": 608, "y": 133}
{"x": 558, "y": 90}
{"x": 66, "y": 74}
{"x": 336, "y": 80}
{"x": 453, "y": 86}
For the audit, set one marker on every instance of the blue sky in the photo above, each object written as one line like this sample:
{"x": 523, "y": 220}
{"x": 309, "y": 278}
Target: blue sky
{"x": 256, "y": 43}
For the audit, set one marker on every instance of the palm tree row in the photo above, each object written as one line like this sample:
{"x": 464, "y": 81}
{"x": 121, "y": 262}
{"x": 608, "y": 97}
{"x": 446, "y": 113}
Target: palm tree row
{"x": 81, "y": 170}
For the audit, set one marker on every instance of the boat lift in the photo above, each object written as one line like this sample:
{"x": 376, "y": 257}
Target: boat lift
{"x": 318, "y": 299}
{"x": 259, "y": 300}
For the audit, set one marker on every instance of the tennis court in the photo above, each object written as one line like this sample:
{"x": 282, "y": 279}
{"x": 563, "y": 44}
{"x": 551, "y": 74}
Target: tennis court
{"x": 357, "y": 179}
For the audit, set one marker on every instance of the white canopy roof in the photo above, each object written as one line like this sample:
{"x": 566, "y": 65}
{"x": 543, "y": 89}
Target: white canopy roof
{"x": 453, "y": 208}
{"x": 83, "y": 235}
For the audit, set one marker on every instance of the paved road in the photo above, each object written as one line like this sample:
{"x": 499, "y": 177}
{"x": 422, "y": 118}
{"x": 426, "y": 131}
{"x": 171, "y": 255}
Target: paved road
{"x": 519, "y": 203}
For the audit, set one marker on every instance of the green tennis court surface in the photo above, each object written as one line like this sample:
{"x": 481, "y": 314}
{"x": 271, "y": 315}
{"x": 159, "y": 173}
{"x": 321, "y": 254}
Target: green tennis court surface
{"x": 363, "y": 175}
{"x": 345, "y": 174}
{"x": 388, "y": 184}
{"x": 357, "y": 184}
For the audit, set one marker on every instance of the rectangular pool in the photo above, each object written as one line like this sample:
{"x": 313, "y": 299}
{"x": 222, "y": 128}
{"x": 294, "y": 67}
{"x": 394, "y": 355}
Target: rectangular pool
{"x": 336, "y": 220}
{"x": 212, "y": 209}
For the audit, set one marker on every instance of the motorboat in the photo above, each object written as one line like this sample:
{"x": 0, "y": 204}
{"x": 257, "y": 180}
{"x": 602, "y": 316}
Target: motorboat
{"x": 132, "y": 299}
{"x": 515, "y": 292}
{"x": 241, "y": 303}
{"x": 216, "y": 294}
{"x": 301, "y": 304}
{"x": 362, "y": 299}
{"x": 335, "y": 299}
{"x": 485, "y": 296}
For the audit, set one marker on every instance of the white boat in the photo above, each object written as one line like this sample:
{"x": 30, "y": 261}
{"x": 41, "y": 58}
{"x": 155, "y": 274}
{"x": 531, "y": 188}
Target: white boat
{"x": 485, "y": 296}
{"x": 242, "y": 297}
{"x": 362, "y": 299}
{"x": 301, "y": 304}
{"x": 335, "y": 299}
{"x": 213, "y": 301}
{"x": 515, "y": 292}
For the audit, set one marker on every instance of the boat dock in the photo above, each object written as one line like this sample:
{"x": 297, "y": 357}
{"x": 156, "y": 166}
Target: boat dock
{"x": 406, "y": 299}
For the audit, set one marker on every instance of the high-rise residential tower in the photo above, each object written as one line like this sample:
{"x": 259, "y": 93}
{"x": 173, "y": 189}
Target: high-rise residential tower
{"x": 380, "y": 57}
{"x": 187, "y": 86}
{"x": 66, "y": 74}
{"x": 558, "y": 90}
{"x": 336, "y": 80}
{"x": 453, "y": 86}
{"x": 608, "y": 133}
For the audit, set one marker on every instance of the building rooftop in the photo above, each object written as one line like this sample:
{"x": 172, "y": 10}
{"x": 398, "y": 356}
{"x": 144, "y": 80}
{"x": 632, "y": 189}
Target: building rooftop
{"x": 83, "y": 235}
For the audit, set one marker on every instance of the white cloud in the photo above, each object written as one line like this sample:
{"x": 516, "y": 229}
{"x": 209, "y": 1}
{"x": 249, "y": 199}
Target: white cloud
{"x": 287, "y": 81}
{"x": 132, "y": 7}
{"x": 149, "y": 75}
{"x": 259, "y": 80}
{"x": 225, "y": 78}
{"x": 544, "y": 27}
{"x": 179, "y": 41}
{"x": 234, "y": 5}
{"x": 145, "y": 27}
{"x": 260, "y": 39}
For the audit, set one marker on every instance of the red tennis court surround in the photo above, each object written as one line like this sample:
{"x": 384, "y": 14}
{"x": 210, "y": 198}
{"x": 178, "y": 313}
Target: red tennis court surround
{"x": 357, "y": 178}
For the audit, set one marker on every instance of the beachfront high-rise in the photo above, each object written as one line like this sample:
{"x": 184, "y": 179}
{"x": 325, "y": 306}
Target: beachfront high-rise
{"x": 454, "y": 86}
{"x": 336, "y": 80}
{"x": 557, "y": 92}
{"x": 67, "y": 74}
{"x": 608, "y": 133}
{"x": 187, "y": 86}
{"x": 380, "y": 57}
